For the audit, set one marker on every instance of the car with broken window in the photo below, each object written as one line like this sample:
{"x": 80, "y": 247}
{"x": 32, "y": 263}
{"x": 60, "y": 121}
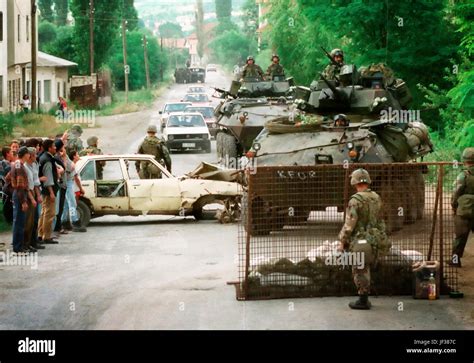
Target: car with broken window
{"x": 209, "y": 117}
{"x": 185, "y": 131}
{"x": 118, "y": 190}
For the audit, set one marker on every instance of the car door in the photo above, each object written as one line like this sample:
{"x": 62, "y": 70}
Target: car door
{"x": 152, "y": 195}
{"x": 105, "y": 186}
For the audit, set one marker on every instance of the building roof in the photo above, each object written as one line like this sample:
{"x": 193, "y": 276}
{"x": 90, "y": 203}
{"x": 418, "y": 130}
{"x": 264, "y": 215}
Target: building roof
{"x": 179, "y": 43}
{"x": 48, "y": 60}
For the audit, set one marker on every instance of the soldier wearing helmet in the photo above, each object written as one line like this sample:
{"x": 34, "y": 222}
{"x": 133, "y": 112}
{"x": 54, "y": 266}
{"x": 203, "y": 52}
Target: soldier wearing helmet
{"x": 364, "y": 233}
{"x": 252, "y": 70}
{"x": 332, "y": 70}
{"x": 93, "y": 149}
{"x": 74, "y": 142}
{"x": 152, "y": 145}
{"x": 275, "y": 69}
{"x": 341, "y": 120}
{"x": 462, "y": 203}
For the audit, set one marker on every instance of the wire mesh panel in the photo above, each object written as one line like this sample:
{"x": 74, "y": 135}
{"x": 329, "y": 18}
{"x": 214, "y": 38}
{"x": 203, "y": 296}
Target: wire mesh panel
{"x": 292, "y": 216}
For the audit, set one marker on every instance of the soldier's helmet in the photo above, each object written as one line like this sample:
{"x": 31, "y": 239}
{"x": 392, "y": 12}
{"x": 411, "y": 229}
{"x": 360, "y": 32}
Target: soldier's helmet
{"x": 152, "y": 128}
{"x": 341, "y": 120}
{"x": 275, "y": 56}
{"x": 468, "y": 154}
{"x": 76, "y": 128}
{"x": 250, "y": 58}
{"x": 92, "y": 141}
{"x": 359, "y": 176}
{"x": 337, "y": 51}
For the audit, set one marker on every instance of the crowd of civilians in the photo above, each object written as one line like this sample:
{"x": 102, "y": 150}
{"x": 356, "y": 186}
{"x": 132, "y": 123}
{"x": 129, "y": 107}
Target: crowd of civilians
{"x": 40, "y": 188}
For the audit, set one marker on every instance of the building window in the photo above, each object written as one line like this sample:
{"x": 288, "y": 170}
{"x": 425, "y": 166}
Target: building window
{"x": 47, "y": 91}
{"x": 27, "y": 28}
{"x": 39, "y": 93}
{"x": 1, "y": 26}
{"x": 18, "y": 29}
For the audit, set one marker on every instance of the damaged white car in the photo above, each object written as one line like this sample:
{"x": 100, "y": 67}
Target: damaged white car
{"x": 113, "y": 187}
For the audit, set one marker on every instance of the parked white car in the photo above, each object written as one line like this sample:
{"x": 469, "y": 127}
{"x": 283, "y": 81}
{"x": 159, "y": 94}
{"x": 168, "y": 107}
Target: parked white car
{"x": 187, "y": 131}
{"x": 171, "y": 107}
{"x": 120, "y": 191}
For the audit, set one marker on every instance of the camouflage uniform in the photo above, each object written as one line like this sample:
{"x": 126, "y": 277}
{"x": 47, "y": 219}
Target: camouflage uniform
{"x": 252, "y": 71}
{"x": 362, "y": 213}
{"x": 156, "y": 147}
{"x": 74, "y": 142}
{"x": 275, "y": 69}
{"x": 464, "y": 191}
{"x": 92, "y": 149}
{"x": 331, "y": 72}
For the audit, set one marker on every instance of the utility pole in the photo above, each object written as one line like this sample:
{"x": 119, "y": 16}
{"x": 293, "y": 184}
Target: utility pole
{"x": 147, "y": 69}
{"x": 34, "y": 57}
{"x": 91, "y": 36}
{"x": 126, "y": 68}
{"x": 161, "y": 64}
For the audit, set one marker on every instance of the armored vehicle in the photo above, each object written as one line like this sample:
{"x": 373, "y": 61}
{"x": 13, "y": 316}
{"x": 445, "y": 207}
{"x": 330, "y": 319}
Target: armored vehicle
{"x": 245, "y": 109}
{"x": 362, "y": 118}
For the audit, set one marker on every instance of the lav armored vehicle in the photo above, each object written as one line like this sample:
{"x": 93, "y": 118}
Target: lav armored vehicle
{"x": 245, "y": 109}
{"x": 378, "y": 128}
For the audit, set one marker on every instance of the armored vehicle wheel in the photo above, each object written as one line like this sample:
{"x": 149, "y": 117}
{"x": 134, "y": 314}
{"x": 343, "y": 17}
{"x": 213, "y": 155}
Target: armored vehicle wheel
{"x": 411, "y": 200}
{"x": 420, "y": 195}
{"x": 229, "y": 146}
{"x": 391, "y": 202}
{"x": 219, "y": 145}
{"x": 260, "y": 224}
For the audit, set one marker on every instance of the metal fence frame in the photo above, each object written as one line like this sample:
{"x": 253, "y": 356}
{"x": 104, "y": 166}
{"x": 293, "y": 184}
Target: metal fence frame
{"x": 441, "y": 231}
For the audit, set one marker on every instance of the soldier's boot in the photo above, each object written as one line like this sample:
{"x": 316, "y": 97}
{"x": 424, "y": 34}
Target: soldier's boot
{"x": 77, "y": 227}
{"x": 362, "y": 303}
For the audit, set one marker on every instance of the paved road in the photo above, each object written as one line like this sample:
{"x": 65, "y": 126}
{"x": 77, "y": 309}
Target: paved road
{"x": 171, "y": 273}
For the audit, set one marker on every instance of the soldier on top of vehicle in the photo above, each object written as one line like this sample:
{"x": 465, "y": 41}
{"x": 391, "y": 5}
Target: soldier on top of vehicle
{"x": 341, "y": 120}
{"x": 332, "y": 70}
{"x": 275, "y": 69}
{"x": 252, "y": 70}
{"x": 152, "y": 145}
{"x": 462, "y": 203}
{"x": 364, "y": 233}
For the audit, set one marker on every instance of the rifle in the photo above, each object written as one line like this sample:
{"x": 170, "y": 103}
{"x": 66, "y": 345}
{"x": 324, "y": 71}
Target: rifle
{"x": 223, "y": 93}
{"x": 333, "y": 61}
{"x": 337, "y": 94}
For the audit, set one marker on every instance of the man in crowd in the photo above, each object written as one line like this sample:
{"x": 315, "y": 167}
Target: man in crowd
{"x": 48, "y": 191}
{"x": 19, "y": 183}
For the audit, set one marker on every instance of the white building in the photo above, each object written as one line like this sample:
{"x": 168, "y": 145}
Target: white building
{"x": 52, "y": 78}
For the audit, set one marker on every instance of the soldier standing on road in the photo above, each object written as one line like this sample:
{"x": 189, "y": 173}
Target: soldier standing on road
{"x": 252, "y": 70}
{"x": 275, "y": 69}
{"x": 74, "y": 142}
{"x": 156, "y": 147}
{"x": 331, "y": 72}
{"x": 92, "y": 149}
{"x": 363, "y": 232}
{"x": 463, "y": 206}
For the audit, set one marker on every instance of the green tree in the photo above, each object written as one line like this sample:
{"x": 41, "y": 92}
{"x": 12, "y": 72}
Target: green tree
{"x": 170, "y": 30}
{"x": 61, "y": 9}
{"x": 46, "y": 10}
{"x": 200, "y": 29}
{"x": 47, "y": 33}
{"x": 232, "y": 47}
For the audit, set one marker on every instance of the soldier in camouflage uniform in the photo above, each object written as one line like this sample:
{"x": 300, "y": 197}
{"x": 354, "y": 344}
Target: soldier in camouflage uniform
{"x": 251, "y": 70}
{"x": 156, "y": 147}
{"x": 74, "y": 142}
{"x": 363, "y": 229}
{"x": 92, "y": 149}
{"x": 331, "y": 72}
{"x": 275, "y": 69}
{"x": 463, "y": 206}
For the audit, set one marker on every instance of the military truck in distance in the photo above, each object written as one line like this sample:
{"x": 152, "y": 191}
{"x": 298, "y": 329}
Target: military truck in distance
{"x": 190, "y": 75}
{"x": 375, "y": 133}
{"x": 245, "y": 109}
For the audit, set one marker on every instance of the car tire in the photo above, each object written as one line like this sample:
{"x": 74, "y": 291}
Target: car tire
{"x": 208, "y": 148}
{"x": 84, "y": 213}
